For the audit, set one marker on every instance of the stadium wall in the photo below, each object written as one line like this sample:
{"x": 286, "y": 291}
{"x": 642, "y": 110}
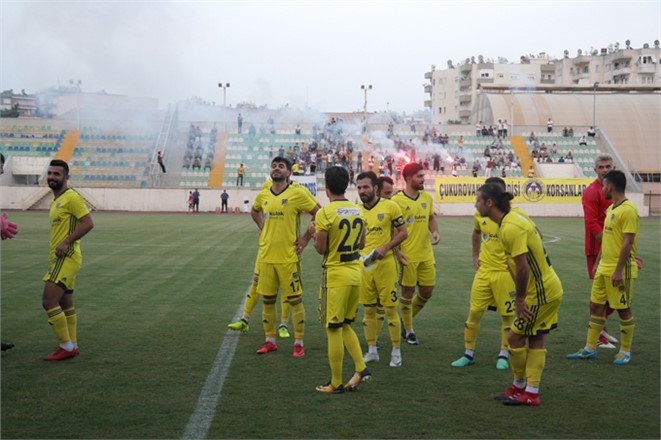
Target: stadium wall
{"x": 175, "y": 200}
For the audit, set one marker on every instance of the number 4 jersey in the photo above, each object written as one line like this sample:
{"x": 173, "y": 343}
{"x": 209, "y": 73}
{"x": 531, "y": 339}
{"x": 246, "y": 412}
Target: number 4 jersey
{"x": 344, "y": 225}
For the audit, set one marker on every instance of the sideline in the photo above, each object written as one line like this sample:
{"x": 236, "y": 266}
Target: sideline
{"x": 200, "y": 421}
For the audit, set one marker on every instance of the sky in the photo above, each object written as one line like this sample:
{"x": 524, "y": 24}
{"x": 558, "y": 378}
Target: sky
{"x": 304, "y": 54}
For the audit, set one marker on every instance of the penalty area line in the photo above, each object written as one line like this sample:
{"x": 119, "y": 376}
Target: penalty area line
{"x": 200, "y": 420}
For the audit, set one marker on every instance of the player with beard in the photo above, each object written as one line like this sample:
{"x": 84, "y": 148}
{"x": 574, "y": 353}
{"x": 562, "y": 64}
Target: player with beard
{"x": 277, "y": 213}
{"x": 417, "y": 255}
{"x": 384, "y": 231}
{"x": 70, "y": 221}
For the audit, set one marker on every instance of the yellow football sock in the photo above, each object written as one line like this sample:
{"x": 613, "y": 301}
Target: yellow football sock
{"x": 595, "y": 326}
{"x": 626, "y": 334}
{"x": 58, "y": 322}
{"x": 535, "y": 366}
{"x": 268, "y": 316}
{"x": 406, "y": 312}
{"x": 335, "y": 355}
{"x": 353, "y": 347}
{"x": 506, "y": 325}
{"x": 369, "y": 324}
{"x": 394, "y": 326}
{"x": 284, "y": 311}
{"x": 72, "y": 321}
{"x": 252, "y": 299}
{"x": 418, "y": 304}
{"x": 298, "y": 316}
{"x": 518, "y": 360}
{"x": 472, "y": 328}
{"x": 380, "y": 319}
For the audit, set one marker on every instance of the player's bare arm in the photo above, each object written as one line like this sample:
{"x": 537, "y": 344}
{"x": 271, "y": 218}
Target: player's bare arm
{"x": 521, "y": 277}
{"x": 84, "y": 226}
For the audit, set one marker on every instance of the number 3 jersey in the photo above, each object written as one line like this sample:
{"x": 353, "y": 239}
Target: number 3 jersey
{"x": 344, "y": 224}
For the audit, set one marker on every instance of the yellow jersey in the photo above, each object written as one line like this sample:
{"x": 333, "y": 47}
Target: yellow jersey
{"x": 65, "y": 213}
{"x": 519, "y": 236}
{"x": 492, "y": 254}
{"x": 381, "y": 221}
{"x": 344, "y": 224}
{"x": 416, "y": 213}
{"x": 282, "y": 217}
{"x": 621, "y": 219}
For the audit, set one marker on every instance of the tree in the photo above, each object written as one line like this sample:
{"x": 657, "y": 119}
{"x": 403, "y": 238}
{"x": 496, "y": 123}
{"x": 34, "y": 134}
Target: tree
{"x": 10, "y": 113}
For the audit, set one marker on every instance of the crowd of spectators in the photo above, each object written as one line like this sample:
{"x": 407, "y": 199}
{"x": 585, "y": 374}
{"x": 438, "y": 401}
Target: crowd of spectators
{"x": 200, "y": 152}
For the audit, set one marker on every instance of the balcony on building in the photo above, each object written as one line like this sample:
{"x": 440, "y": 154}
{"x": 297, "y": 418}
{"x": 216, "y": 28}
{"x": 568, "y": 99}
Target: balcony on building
{"x": 428, "y": 75}
{"x": 428, "y": 88}
{"x": 647, "y": 68}
{"x": 428, "y": 103}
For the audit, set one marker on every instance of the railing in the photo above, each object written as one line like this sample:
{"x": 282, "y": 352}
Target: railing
{"x": 608, "y": 145}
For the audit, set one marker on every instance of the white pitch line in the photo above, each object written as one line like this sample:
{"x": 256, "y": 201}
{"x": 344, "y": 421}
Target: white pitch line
{"x": 200, "y": 421}
{"x": 553, "y": 240}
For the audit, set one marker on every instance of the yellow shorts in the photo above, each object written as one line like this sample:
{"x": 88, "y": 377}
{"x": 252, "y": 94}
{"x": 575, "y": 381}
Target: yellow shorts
{"x": 618, "y": 297}
{"x": 63, "y": 272}
{"x": 421, "y": 273}
{"x": 286, "y": 277}
{"x": 493, "y": 288}
{"x": 381, "y": 284}
{"x": 545, "y": 319}
{"x": 338, "y": 305}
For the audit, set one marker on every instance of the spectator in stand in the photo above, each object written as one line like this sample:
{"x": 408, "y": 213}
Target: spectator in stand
{"x": 252, "y": 131}
{"x": 503, "y": 173}
{"x": 549, "y": 126}
{"x": 207, "y": 163}
{"x": 413, "y": 127}
{"x": 239, "y": 175}
{"x": 591, "y": 132}
{"x": 488, "y": 167}
{"x": 159, "y": 159}
{"x": 239, "y": 122}
{"x": 298, "y": 129}
{"x": 569, "y": 158}
{"x": 561, "y": 160}
{"x": 478, "y": 129}
{"x": 532, "y": 137}
{"x": 570, "y": 132}
{"x": 531, "y": 172}
{"x": 583, "y": 142}
{"x": 197, "y": 164}
{"x": 499, "y": 127}
{"x": 505, "y": 128}
{"x": 487, "y": 151}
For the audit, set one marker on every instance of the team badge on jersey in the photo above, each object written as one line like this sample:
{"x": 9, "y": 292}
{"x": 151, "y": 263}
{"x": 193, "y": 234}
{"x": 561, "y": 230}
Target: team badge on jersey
{"x": 285, "y": 201}
{"x": 381, "y": 217}
{"x": 424, "y": 205}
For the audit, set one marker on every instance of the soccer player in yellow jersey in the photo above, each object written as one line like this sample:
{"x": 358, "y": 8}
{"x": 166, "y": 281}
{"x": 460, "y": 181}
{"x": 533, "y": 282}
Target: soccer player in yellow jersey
{"x": 385, "y": 188}
{"x": 277, "y": 212}
{"x": 70, "y": 221}
{"x": 417, "y": 255}
{"x": 538, "y": 294}
{"x": 616, "y": 271}
{"x": 384, "y": 231}
{"x": 340, "y": 235}
{"x": 492, "y": 285}
{"x": 252, "y": 297}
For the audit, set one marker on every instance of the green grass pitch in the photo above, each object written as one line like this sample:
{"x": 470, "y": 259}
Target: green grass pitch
{"x": 157, "y": 291}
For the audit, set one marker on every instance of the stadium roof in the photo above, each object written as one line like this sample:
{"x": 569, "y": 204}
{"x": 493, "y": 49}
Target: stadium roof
{"x": 632, "y": 121}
